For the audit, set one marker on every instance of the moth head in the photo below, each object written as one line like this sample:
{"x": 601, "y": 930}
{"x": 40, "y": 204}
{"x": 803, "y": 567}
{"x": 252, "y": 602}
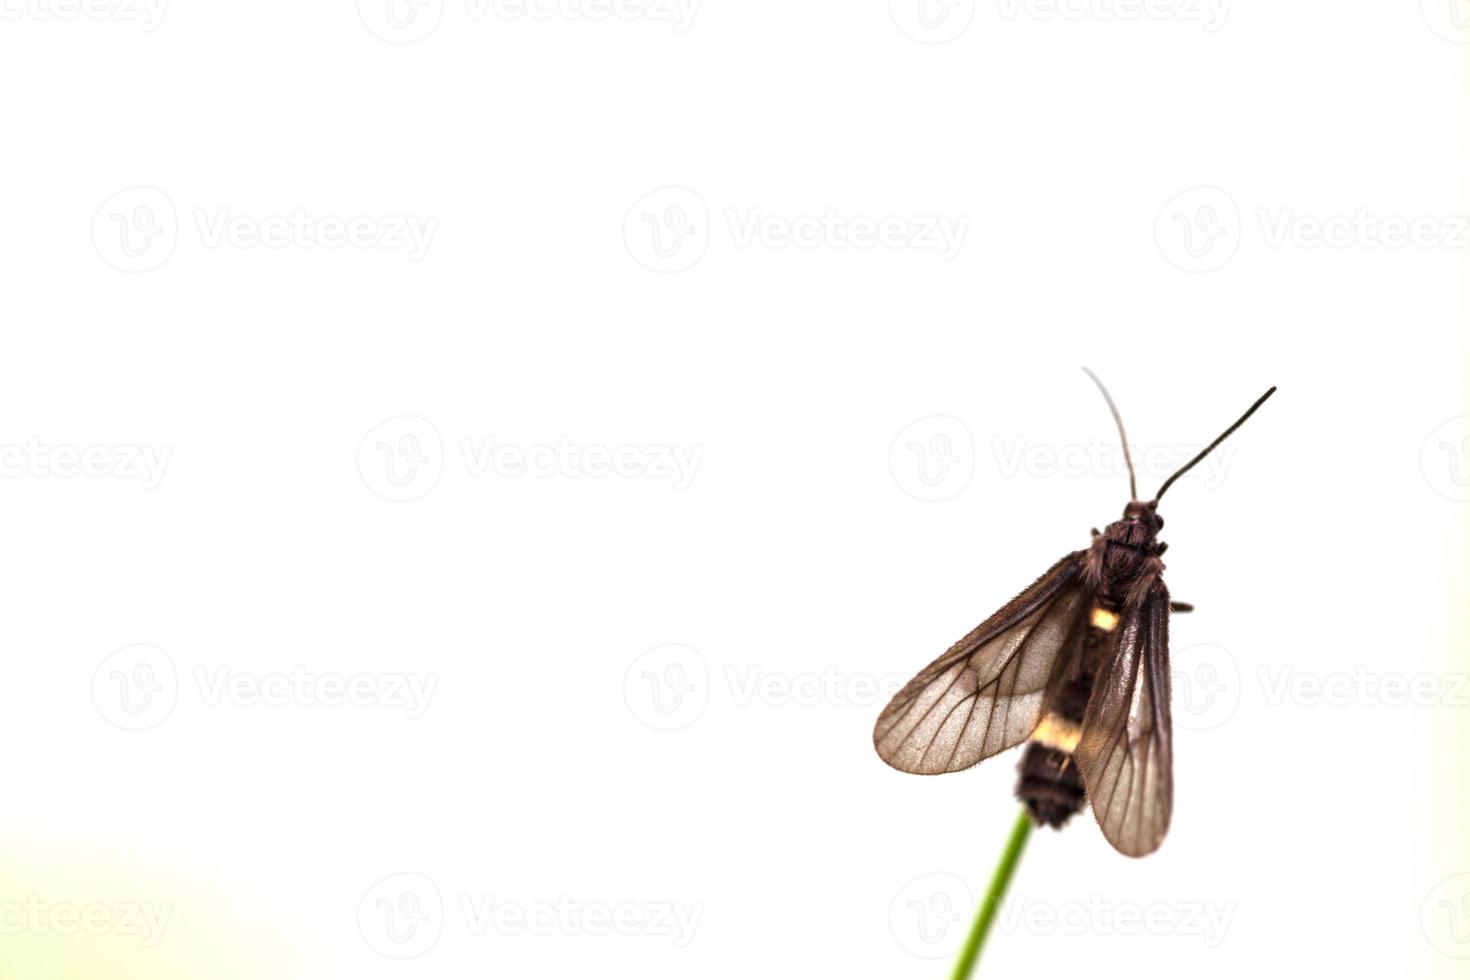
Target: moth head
{"x": 1145, "y": 512}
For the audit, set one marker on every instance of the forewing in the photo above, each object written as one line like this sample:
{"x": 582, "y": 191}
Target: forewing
{"x": 1126, "y": 754}
{"x": 987, "y": 692}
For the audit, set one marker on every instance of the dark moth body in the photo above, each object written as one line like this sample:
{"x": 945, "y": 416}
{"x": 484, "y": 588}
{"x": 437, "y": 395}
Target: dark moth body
{"x": 1050, "y": 784}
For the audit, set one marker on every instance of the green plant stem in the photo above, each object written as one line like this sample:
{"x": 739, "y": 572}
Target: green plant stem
{"x": 990, "y": 904}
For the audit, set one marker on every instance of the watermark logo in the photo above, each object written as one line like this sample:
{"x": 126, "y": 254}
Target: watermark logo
{"x": 1445, "y": 916}
{"x": 668, "y": 687}
{"x": 136, "y": 229}
{"x": 1205, "y": 686}
{"x": 401, "y": 459}
{"x": 136, "y": 687}
{"x": 1198, "y": 230}
{"x": 405, "y": 915}
{"x": 1450, "y": 19}
{"x": 667, "y": 230}
{"x": 400, "y": 21}
{"x": 402, "y": 916}
{"x": 928, "y": 915}
{"x": 1209, "y": 686}
{"x": 932, "y": 21}
{"x": 933, "y": 458}
{"x": 1445, "y": 459}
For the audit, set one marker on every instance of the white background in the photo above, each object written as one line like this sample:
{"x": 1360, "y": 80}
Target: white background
{"x": 540, "y": 309}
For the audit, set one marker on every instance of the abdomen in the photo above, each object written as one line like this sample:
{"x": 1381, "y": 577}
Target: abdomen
{"x": 1050, "y": 785}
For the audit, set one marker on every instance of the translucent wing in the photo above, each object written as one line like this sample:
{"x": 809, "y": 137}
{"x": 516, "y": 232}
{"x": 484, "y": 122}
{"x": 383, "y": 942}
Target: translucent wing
{"x": 1126, "y": 754}
{"x": 986, "y": 693}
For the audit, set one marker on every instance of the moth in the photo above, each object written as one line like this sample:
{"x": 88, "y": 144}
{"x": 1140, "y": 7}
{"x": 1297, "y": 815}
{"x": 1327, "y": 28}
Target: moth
{"x": 1077, "y": 666}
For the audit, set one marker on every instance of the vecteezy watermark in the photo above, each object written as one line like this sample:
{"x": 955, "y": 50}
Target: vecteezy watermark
{"x": 1200, "y": 230}
{"x": 300, "y": 229}
{"x": 1103, "y": 458}
{"x": 932, "y": 458}
{"x": 1207, "y": 922}
{"x": 220, "y": 685}
{"x": 927, "y": 916}
{"x": 939, "y": 233}
{"x": 669, "y": 230}
{"x": 400, "y": 21}
{"x": 1450, "y": 19}
{"x": 1205, "y": 684}
{"x": 1445, "y": 458}
{"x": 1210, "y": 14}
{"x": 568, "y": 916}
{"x": 137, "y": 687}
{"x": 1209, "y": 687}
{"x": 1362, "y": 687}
{"x": 403, "y": 458}
{"x": 486, "y": 455}
{"x": 122, "y": 461}
{"x": 401, "y": 916}
{"x": 147, "y": 14}
{"x": 404, "y": 915}
{"x": 1362, "y": 229}
{"x": 1445, "y": 917}
{"x": 138, "y": 229}
{"x": 407, "y": 21}
{"x": 831, "y": 686}
{"x": 932, "y": 21}
{"x": 670, "y": 686}
{"x": 667, "y": 687}
{"x": 35, "y": 916}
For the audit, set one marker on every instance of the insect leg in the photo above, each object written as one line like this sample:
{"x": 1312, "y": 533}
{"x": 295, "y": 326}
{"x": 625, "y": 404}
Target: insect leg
{"x": 1181, "y": 607}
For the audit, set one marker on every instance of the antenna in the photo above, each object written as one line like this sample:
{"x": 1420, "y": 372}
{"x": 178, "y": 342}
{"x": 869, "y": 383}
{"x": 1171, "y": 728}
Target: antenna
{"x": 1132, "y": 485}
{"x": 1218, "y": 439}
